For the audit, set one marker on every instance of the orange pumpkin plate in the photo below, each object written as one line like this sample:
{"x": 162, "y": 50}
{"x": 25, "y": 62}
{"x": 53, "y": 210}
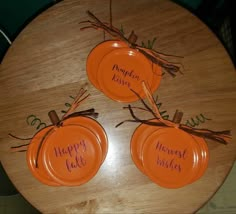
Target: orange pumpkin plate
{"x": 72, "y": 155}
{"x": 95, "y": 127}
{"x": 170, "y": 157}
{"x": 121, "y": 70}
{"x": 136, "y": 144}
{"x": 39, "y": 172}
{"x": 143, "y": 131}
{"x": 204, "y": 156}
{"x": 96, "y": 55}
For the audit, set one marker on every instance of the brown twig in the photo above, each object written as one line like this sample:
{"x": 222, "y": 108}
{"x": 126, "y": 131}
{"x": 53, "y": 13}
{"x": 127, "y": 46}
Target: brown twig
{"x": 40, "y": 145}
{"x": 219, "y": 136}
{"x": 110, "y": 9}
{"x": 81, "y": 96}
{"x": 154, "y": 56}
{"x": 19, "y": 138}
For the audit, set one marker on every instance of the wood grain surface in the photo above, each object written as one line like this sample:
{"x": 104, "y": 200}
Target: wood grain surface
{"x": 47, "y": 63}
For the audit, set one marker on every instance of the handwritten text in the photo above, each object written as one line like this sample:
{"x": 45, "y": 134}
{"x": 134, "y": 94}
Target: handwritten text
{"x": 123, "y": 76}
{"x": 174, "y": 155}
{"x": 73, "y": 154}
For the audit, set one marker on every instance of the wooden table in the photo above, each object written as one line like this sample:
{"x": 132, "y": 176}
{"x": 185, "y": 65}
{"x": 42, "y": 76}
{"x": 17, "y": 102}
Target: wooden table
{"x": 47, "y": 63}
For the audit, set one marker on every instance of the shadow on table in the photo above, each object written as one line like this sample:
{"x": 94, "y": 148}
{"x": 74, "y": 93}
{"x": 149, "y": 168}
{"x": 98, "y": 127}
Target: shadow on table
{"x": 224, "y": 201}
{"x": 11, "y": 202}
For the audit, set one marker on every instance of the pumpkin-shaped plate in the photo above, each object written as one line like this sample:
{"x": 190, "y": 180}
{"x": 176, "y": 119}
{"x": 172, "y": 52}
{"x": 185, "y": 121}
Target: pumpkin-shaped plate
{"x": 72, "y": 155}
{"x": 204, "y": 156}
{"x": 136, "y": 144}
{"x": 121, "y": 70}
{"x": 170, "y": 157}
{"x": 95, "y": 127}
{"x": 33, "y": 150}
{"x": 96, "y": 55}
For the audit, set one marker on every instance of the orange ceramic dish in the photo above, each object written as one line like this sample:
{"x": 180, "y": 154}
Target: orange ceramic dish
{"x": 95, "y": 127}
{"x": 121, "y": 70}
{"x": 40, "y": 172}
{"x": 72, "y": 155}
{"x": 170, "y": 157}
{"x": 96, "y": 55}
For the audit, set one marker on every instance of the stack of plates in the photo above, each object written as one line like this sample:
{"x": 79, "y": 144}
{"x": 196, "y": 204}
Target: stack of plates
{"x": 70, "y": 155}
{"x": 170, "y": 157}
{"x": 114, "y": 69}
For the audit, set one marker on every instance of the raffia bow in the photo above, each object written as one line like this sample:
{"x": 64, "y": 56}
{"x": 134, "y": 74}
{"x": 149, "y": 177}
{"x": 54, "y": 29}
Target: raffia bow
{"x": 154, "y": 56}
{"x": 82, "y": 96}
{"x": 219, "y": 136}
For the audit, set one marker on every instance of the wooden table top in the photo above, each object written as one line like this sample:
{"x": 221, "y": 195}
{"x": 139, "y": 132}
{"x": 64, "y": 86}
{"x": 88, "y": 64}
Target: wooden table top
{"x": 46, "y": 65}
